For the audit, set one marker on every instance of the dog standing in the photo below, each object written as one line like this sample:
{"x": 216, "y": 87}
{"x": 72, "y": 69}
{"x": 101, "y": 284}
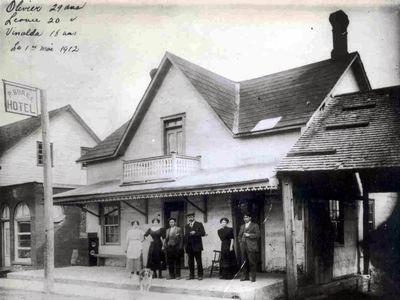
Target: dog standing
{"x": 145, "y": 279}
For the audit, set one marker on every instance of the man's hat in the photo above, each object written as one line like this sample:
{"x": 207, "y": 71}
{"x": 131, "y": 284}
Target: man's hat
{"x": 190, "y": 214}
{"x": 171, "y": 219}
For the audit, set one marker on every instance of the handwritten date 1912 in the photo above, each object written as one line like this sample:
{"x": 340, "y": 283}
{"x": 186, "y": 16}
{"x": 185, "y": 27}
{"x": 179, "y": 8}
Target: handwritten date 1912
{"x": 69, "y": 49}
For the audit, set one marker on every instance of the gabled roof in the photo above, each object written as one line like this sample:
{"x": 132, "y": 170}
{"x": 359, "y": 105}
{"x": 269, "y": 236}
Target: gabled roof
{"x": 280, "y": 101}
{"x": 107, "y": 146}
{"x": 355, "y": 131}
{"x": 11, "y": 134}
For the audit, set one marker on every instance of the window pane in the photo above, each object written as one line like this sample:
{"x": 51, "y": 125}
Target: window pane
{"x": 24, "y": 253}
{"x": 24, "y": 227}
{"x": 179, "y": 142}
{"x": 24, "y": 242}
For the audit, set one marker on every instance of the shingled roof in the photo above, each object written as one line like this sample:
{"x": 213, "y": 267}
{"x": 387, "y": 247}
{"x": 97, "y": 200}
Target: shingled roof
{"x": 355, "y": 131}
{"x": 106, "y": 147}
{"x": 282, "y": 100}
{"x": 11, "y": 134}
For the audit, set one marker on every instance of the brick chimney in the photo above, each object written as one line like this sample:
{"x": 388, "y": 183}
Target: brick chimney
{"x": 339, "y": 22}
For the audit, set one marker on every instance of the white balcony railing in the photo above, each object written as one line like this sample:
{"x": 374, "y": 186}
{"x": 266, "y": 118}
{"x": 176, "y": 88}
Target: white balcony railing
{"x": 159, "y": 168}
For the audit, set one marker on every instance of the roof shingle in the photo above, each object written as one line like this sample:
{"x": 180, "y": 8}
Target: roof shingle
{"x": 365, "y": 134}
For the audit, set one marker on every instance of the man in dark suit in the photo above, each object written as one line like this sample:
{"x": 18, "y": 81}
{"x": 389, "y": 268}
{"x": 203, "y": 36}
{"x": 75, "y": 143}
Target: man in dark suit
{"x": 173, "y": 247}
{"x": 194, "y": 231}
{"x": 249, "y": 235}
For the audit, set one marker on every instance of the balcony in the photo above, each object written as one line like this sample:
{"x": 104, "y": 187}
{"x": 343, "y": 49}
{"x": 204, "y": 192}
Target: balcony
{"x": 160, "y": 168}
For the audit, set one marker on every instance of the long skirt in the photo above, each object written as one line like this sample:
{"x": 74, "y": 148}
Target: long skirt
{"x": 133, "y": 265}
{"x": 228, "y": 264}
{"x": 156, "y": 257}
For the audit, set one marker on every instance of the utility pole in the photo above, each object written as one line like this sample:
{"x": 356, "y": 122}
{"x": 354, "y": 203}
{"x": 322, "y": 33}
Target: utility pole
{"x": 48, "y": 198}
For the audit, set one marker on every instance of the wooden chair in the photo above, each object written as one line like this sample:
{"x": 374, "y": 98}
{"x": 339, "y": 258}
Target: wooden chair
{"x": 215, "y": 264}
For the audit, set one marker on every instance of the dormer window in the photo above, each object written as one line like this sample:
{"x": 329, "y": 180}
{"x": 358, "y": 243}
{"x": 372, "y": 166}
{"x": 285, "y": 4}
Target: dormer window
{"x": 39, "y": 154}
{"x": 174, "y": 134}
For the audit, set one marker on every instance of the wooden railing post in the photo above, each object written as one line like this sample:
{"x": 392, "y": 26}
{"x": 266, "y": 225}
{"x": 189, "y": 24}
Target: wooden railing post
{"x": 290, "y": 238}
{"x": 174, "y": 165}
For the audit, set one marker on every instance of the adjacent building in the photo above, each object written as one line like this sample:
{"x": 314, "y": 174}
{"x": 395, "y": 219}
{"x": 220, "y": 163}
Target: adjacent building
{"x": 21, "y": 186}
{"x": 345, "y": 167}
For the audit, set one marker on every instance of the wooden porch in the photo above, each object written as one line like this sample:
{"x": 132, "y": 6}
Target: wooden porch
{"x": 268, "y": 286}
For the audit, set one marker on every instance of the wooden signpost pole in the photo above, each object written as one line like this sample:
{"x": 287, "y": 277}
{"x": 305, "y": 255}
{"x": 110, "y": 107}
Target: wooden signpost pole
{"x": 48, "y": 198}
{"x": 22, "y": 99}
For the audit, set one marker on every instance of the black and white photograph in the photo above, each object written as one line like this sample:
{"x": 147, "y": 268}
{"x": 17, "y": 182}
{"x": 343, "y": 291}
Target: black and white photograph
{"x": 200, "y": 150}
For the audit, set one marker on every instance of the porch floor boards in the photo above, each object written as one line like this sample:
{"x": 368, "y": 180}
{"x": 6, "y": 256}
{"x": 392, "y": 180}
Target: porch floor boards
{"x": 268, "y": 286}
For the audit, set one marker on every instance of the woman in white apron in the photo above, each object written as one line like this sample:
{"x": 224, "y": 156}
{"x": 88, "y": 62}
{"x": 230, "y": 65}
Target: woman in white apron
{"x": 134, "y": 239}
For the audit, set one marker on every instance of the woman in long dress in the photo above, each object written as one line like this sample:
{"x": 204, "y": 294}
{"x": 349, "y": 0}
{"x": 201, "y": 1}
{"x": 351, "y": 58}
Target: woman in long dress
{"x": 156, "y": 258}
{"x": 134, "y": 239}
{"x": 228, "y": 264}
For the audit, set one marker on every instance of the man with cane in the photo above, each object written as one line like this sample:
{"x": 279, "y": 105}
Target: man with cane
{"x": 249, "y": 235}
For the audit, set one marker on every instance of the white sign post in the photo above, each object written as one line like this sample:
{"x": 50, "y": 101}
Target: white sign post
{"x": 22, "y": 99}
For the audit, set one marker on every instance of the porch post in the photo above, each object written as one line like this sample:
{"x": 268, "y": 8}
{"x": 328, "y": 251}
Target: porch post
{"x": 290, "y": 238}
{"x": 366, "y": 228}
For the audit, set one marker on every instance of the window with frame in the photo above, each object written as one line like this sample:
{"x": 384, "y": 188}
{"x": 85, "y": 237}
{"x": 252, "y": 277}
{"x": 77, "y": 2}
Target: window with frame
{"x": 174, "y": 138}
{"x": 84, "y": 150}
{"x": 337, "y": 219}
{"x": 22, "y": 228}
{"x": 40, "y": 156}
{"x": 111, "y": 223}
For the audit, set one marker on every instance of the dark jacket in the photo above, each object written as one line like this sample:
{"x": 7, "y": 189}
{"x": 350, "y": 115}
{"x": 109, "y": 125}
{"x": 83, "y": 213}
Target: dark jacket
{"x": 193, "y": 243}
{"x": 252, "y": 240}
{"x": 176, "y": 238}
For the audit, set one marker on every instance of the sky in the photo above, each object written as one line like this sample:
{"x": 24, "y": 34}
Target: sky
{"x": 121, "y": 41}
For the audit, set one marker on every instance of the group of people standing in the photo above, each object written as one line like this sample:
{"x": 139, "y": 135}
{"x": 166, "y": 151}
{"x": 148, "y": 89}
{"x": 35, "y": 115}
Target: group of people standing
{"x": 168, "y": 246}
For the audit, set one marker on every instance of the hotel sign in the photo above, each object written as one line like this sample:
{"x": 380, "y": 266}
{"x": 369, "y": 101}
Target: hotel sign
{"x": 20, "y": 99}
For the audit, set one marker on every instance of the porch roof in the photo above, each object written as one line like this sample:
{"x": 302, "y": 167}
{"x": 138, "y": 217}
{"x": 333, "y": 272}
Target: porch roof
{"x": 255, "y": 177}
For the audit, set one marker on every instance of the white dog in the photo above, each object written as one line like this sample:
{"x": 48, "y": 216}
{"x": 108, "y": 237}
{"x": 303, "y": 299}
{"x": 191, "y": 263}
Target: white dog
{"x": 145, "y": 279}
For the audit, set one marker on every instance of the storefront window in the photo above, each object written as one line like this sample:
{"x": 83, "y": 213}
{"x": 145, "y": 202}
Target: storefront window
{"x": 111, "y": 223}
{"x": 22, "y": 233}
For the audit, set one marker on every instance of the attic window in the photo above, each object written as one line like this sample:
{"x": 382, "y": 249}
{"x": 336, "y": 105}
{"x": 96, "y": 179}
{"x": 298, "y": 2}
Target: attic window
{"x": 313, "y": 152}
{"x": 359, "y": 106}
{"x": 346, "y": 125}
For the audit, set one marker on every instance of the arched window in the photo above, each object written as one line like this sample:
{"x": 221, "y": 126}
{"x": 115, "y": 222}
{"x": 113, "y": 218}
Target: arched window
{"x": 5, "y": 214}
{"x": 5, "y": 237}
{"x": 22, "y": 233}
{"x": 58, "y": 214}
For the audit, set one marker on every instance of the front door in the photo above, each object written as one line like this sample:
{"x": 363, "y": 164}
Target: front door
{"x": 320, "y": 242}
{"x": 252, "y": 203}
{"x": 6, "y": 262}
{"x": 176, "y": 209}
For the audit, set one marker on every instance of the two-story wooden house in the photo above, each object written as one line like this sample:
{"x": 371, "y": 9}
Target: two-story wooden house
{"x": 202, "y": 143}
{"x": 21, "y": 186}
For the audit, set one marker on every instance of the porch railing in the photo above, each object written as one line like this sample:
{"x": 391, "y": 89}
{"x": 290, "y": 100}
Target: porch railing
{"x": 160, "y": 168}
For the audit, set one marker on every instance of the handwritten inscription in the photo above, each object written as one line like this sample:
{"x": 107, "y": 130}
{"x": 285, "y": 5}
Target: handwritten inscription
{"x": 42, "y": 28}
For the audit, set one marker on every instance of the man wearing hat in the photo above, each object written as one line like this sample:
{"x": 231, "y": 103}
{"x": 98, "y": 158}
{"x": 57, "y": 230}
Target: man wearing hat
{"x": 194, "y": 231}
{"x": 173, "y": 247}
{"x": 249, "y": 235}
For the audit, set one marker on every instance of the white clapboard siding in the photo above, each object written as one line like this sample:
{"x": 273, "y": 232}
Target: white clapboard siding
{"x": 19, "y": 163}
